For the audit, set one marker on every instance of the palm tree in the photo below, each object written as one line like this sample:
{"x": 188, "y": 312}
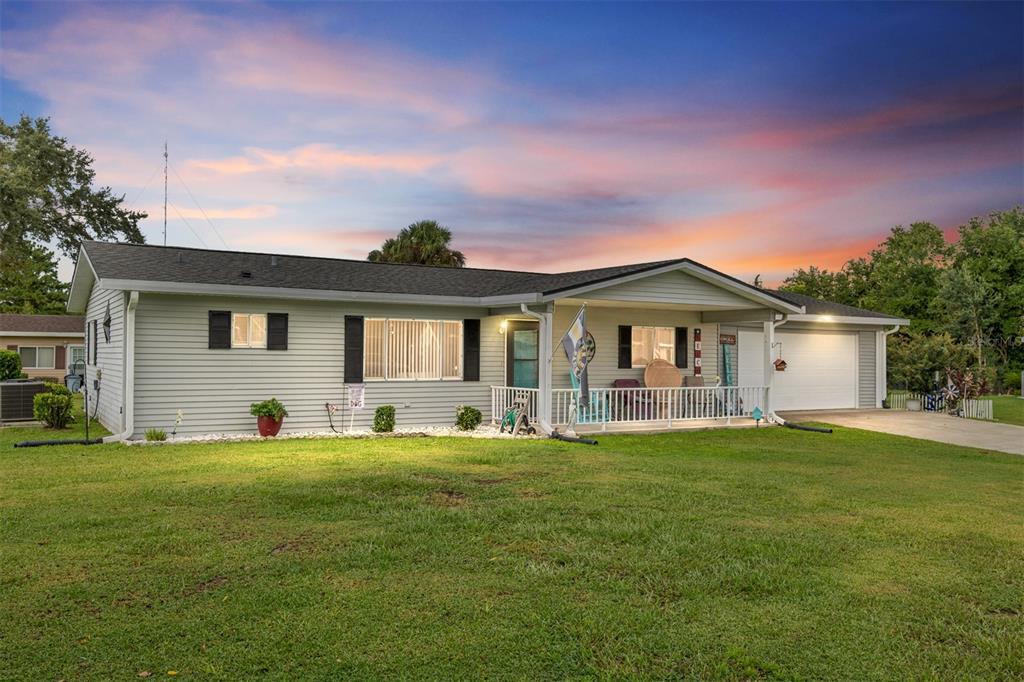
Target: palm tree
{"x": 424, "y": 243}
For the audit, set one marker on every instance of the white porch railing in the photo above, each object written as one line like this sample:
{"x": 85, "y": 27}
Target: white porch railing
{"x": 639, "y": 405}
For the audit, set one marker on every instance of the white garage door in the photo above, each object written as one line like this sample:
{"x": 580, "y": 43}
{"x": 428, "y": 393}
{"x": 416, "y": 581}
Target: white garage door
{"x": 821, "y": 371}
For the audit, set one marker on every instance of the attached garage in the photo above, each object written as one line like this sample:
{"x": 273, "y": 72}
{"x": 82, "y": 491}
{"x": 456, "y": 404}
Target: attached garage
{"x": 822, "y": 368}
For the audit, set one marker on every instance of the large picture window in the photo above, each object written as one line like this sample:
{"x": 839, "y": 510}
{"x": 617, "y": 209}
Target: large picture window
{"x": 248, "y": 330}
{"x": 36, "y": 357}
{"x": 653, "y": 343}
{"x": 416, "y": 350}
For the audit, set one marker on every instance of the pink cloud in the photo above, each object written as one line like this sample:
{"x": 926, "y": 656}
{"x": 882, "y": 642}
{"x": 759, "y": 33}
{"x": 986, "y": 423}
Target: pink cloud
{"x": 313, "y": 157}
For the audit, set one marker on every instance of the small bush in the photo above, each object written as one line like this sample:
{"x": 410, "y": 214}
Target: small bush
{"x": 384, "y": 419}
{"x": 57, "y": 389}
{"x": 269, "y": 408}
{"x": 156, "y": 434}
{"x": 467, "y": 417}
{"x": 53, "y": 409}
{"x": 10, "y": 365}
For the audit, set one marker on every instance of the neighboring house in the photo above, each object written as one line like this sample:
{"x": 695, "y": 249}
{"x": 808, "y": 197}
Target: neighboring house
{"x": 209, "y": 332}
{"x": 47, "y": 344}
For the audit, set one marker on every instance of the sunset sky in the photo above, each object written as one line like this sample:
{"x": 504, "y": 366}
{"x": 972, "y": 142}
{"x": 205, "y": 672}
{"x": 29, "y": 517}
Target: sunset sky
{"x": 752, "y": 137}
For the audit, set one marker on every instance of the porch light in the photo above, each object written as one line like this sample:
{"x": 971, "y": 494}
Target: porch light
{"x": 503, "y": 327}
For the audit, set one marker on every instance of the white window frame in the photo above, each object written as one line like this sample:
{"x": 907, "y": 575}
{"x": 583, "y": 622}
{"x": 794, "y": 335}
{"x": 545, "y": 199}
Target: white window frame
{"x": 655, "y": 328}
{"x": 249, "y": 343}
{"x": 440, "y": 350}
{"x": 53, "y": 364}
{"x": 70, "y": 359}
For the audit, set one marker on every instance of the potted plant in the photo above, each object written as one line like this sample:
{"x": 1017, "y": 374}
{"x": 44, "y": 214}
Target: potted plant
{"x": 269, "y": 415}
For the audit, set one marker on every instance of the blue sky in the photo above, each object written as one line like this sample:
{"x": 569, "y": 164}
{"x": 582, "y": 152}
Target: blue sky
{"x": 753, "y": 137}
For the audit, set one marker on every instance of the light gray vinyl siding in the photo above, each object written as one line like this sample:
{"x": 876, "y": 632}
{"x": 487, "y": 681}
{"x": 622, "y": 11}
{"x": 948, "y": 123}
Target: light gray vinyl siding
{"x": 671, "y": 287}
{"x": 866, "y": 369}
{"x": 109, "y": 365}
{"x": 603, "y": 323}
{"x": 175, "y": 369}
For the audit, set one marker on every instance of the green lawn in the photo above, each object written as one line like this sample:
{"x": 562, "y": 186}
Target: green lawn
{"x": 1007, "y": 408}
{"x": 764, "y": 553}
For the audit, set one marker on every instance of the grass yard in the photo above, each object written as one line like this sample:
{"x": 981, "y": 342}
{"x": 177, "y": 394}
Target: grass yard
{"x": 1007, "y": 408}
{"x": 732, "y": 555}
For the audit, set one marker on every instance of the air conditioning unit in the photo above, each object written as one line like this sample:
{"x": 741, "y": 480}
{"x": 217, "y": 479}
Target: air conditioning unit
{"x": 16, "y": 399}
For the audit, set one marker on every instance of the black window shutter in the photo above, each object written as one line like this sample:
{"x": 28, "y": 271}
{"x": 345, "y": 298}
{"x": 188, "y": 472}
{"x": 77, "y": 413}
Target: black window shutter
{"x": 681, "y": 350}
{"x": 353, "y": 349}
{"x": 277, "y": 331}
{"x": 92, "y": 340}
{"x": 220, "y": 329}
{"x": 471, "y": 350}
{"x": 625, "y": 346}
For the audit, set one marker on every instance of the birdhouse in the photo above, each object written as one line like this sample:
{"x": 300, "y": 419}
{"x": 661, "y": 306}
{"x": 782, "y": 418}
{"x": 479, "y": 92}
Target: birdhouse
{"x": 780, "y": 365}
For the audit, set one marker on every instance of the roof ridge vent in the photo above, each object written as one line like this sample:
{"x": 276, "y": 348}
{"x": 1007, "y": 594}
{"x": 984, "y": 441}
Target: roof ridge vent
{"x": 245, "y": 274}
{"x": 181, "y": 257}
{"x": 273, "y": 261}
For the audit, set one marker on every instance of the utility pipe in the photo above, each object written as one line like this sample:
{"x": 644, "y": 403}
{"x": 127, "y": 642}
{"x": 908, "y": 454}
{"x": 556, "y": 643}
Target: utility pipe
{"x": 129, "y": 371}
{"x": 769, "y": 368}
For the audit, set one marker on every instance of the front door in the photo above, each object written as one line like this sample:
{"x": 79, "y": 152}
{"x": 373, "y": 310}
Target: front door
{"x": 522, "y": 359}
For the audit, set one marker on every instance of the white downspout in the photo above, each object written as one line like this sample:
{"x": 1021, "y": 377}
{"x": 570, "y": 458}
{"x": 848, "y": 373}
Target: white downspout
{"x": 769, "y": 368}
{"x": 882, "y": 360}
{"x": 544, "y": 371}
{"x": 129, "y": 371}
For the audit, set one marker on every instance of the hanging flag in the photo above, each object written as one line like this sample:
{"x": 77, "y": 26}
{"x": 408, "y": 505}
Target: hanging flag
{"x": 577, "y": 350}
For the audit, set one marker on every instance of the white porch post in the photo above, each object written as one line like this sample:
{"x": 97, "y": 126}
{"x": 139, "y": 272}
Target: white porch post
{"x": 769, "y": 368}
{"x": 545, "y": 349}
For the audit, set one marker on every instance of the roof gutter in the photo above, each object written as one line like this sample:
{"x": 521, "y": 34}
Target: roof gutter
{"x": 129, "y": 371}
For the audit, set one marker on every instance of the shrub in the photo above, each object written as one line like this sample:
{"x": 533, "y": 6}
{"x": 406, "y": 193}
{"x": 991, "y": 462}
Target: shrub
{"x": 58, "y": 389}
{"x": 467, "y": 417}
{"x": 384, "y": 419}
{"x": 53, "y": 409}
{"x": 10, "y": 365}
{"x": 269, "y": 408}
{"x": 156, "y": 434}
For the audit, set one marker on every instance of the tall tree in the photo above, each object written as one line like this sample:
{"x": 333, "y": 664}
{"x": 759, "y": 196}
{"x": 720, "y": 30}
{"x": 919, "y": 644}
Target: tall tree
{"x": 29, "y": 282}
{"x": 905, "y": 272}
{"x": 967, "y": 307}
{"x": 424, "y": 243}
{"x": 47, "y": 194}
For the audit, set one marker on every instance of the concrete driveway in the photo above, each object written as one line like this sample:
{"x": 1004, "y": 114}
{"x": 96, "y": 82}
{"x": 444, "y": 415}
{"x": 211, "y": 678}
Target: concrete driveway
{"x": 925, "y": 425}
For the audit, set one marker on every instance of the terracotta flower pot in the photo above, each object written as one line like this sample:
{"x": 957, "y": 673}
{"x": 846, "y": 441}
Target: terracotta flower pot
{"x": 268, "y": 426}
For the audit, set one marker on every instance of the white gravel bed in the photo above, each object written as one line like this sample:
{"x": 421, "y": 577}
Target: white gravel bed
{"x": 482, "y": 431}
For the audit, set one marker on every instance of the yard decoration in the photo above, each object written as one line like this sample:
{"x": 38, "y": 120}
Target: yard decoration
{"x": 269, "y": 415}
{"x": 780, "y": 365}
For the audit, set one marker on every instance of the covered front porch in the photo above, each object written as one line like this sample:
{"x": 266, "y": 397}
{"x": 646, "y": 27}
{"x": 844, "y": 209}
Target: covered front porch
{"x": 687, "y": 320}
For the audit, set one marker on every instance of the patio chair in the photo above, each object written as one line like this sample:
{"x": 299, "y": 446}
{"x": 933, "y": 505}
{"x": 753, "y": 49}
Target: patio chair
{"x": 631, "y": 405}
{"x": 662, "y": 374}
{"x": 597, "y": 412}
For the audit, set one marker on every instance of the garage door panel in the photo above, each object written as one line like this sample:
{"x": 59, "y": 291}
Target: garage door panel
{"x": 821, "y": 370}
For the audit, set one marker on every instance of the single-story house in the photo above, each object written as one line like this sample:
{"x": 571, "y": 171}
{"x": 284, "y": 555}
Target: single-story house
{"x": 48, "y": 344}
{"x": 209, "y": 332}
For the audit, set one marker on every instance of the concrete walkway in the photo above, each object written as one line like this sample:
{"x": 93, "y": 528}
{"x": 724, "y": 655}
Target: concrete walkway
{"x": 927, "y": 426}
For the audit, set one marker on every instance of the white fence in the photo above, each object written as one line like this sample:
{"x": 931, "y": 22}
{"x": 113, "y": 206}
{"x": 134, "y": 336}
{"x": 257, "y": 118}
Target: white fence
{"x": 638, "y": 405}
{"x": 971, "y": 409}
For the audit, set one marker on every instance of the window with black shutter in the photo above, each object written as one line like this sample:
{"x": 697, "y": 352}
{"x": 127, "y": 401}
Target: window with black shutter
{"x": 471, "y": 350}
{"x": 625, "y": 346}
{"x": 277, "y": 331}
{"x": 353, "y": 349}
{"x": 220, "y": 329}
{"x": 681, "y": 349}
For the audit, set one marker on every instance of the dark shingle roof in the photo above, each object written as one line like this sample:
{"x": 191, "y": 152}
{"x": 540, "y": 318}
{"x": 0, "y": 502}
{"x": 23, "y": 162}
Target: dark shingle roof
{"x": 816, "y": 306}
{"x": 201, "y": 266}
{"x": 47, "y": 324}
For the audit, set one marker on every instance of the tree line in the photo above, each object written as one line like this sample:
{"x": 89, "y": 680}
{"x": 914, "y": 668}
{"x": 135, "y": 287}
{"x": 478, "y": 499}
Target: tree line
{"x": 964, "y": 297}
